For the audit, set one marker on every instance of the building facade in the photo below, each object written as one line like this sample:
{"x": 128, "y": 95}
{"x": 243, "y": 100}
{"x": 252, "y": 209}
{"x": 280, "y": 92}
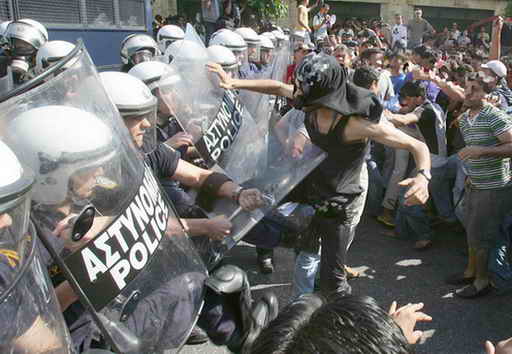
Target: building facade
{"x": 438, "y": 12}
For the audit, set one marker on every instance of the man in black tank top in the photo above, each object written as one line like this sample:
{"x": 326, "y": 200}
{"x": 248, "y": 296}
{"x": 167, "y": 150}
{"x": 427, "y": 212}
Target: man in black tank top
{"x": 340, "y": 119}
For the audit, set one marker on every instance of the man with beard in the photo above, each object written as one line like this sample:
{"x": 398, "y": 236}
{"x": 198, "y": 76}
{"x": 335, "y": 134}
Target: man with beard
{"x": 487, "y": 132}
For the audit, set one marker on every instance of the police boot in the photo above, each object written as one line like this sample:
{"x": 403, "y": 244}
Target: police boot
{"x": 197, "y": 336}
{"x": 232, "y": 282}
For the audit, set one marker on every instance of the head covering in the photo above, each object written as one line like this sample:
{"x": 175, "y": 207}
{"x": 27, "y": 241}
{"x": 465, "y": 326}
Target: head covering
{"x": 324, "y": 83}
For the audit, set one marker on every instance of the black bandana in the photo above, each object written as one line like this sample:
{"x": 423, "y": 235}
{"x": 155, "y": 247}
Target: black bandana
{"x": 324, "y": 83}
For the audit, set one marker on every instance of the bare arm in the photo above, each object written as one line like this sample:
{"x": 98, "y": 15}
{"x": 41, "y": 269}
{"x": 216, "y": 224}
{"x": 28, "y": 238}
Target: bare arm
{"x": 495, "y": 51}
{"x": 503, "y": 150}
{"x": 270, "y": 87}
{"x": 360, "y": 128}
{"x": 66, "y": 295}
{"x": 399, "y": 120}
{"x": 300, "y": 20}
{"x": 315, "y": 5}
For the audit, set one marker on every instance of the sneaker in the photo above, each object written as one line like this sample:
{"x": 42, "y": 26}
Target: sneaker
{"x": 197, "y": 336}
{"x": 386, "y": 218}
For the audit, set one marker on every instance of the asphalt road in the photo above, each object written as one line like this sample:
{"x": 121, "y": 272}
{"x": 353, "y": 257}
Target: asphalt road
{"x": 392, "y": 270}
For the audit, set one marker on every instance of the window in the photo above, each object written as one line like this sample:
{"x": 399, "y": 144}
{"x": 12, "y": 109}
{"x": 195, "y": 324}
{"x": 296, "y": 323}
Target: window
{"x": 100, "y": 13}
{"x": 51, "y": 11}
{"x": 5, "y": 14}
{"x": 132, "y": 13}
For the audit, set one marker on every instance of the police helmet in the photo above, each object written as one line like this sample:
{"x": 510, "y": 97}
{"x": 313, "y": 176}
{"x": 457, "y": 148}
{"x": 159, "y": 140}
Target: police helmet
{"x": 224, "y": 57}
{"x": 137, "y": 48}
{"x": 167, "y": 35}
{"x": 50, "y": 53}
{"x": 56, "y": 142}
{"x": 25, "y": 37}
{"x": 186, "y": 51}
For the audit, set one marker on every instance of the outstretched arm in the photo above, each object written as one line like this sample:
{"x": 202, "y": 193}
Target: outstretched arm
{"x": 270, "y": 87}
{"x": 360, "y": 128}
{"x": 495, "y": 52}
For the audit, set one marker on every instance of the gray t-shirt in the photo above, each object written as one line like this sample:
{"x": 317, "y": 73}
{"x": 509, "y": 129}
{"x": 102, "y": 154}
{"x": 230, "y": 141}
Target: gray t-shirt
{"x": 417, "y": 29}
{"x": 386, "y": 90}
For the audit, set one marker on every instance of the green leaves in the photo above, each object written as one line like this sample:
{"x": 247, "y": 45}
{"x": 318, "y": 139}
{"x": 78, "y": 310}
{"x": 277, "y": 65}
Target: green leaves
{"x": 269, "y": 8}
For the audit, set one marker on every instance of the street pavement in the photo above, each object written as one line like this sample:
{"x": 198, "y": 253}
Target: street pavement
{"x": 392, "y": 270}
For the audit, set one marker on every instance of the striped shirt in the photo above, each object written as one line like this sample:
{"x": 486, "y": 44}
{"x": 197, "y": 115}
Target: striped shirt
{"x": 487, "y": 172}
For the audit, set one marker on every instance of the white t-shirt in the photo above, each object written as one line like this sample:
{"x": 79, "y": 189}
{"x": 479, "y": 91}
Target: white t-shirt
{"x": 322, "y": 31}
{"x": 399, "y": 32}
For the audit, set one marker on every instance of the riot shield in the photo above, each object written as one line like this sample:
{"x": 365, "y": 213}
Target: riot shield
{"x": 31, "y": 318}
{"x": 133, "y": 267}
{"x": 284, "y": 170}
{"x": 223, "y": 131}
{"x": 6, "y": 82}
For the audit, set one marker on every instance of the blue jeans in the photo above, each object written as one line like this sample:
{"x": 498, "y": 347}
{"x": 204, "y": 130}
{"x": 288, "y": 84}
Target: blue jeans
{"x": 306, "y": 267}
{"x": 412, "y": 222}
{"x": 441, "y": 190}
{"x": 375, "y": 189}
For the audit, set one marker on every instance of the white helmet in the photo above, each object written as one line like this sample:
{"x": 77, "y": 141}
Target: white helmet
{"x": 225, "y": 57}
{"x": 266, "y": 43}
{"x": 151, "y": 72}
{"x": 280, "y": 37}
{"x": 167, "y": 35}
{"x": 133, "y": 99}
{"x": 186, "y": 51}
{"x": 137, "y": 48}
{"x": 130, "y": 95}
{"x": 270, "y": 36}
{"x": 25, "y": 37}
{"x": 56, "y": 142}
{"x": 50, "y": 53}
{"x": 228, "y": 39}
{"x": 38, "y": 25}
{"x": 299, "y": 35}
{"x": 253, "y": 43}
{"x": 249, "y": 35}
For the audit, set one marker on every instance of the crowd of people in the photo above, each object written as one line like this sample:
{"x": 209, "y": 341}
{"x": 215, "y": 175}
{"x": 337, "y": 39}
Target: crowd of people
{"x": 414, "y": 127}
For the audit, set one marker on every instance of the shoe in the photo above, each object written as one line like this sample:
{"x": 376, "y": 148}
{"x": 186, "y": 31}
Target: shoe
{"x": 386, "y": 218}
{"x": 197, "y": 336}
{"x": 470, "y": 292}
{"x": 266, "y": 265}
{"x": 351, "y": 273}
{"x": 459, "y": 279}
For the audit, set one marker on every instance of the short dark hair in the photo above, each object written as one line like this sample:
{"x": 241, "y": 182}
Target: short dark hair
{"x": 398, "y": 56}
{"x": 413, "y": 89}
{"x": 367, "y": 54}
{"x": 342, "y": 324}
{"x": 365, "y": 76}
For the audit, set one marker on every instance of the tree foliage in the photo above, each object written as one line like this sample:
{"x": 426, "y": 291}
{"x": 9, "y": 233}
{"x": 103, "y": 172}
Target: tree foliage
{"x": 269, "y": 9}
{"x": 508, "y": 10}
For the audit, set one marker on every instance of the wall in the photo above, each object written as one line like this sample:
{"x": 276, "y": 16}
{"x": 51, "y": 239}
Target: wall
{"x": 165, "y": 7}
{"x": 406, "y": 7}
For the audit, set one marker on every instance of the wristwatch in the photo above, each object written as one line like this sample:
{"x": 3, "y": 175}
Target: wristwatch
{"x": 236, "y": 193}
{"x": 426, "y": 174}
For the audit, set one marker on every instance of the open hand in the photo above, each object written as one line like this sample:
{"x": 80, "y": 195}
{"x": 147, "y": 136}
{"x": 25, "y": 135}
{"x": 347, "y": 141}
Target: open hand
{"x": 417, "y": 194}
{"x": 226, "y": 82}
{"x": 406, "y": 318}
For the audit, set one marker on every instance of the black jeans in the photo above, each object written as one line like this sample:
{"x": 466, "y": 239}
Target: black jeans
{"x": 336, "y": 236}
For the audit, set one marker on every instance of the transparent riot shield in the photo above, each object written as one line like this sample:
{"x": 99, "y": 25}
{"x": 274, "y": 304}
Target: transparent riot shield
{"x": 132, "y": 265}
{"x": 284, "y": 170}
{"x": 6, "y": 82}
{"x": 31, "y": 318}
{"x": 223, "y": 131}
